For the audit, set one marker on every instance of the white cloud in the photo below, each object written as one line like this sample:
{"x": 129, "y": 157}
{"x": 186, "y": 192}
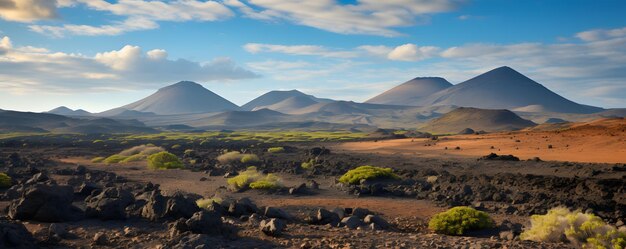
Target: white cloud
{"x": 139, "y": 14}
{"x": 411, "y": 52}
{"x": 25, "y": 69}
{"x": 372, "y": 17}
{"x": 601, "y": 34}
{"x": 406, "y": 52}
{"x": 298, "y": 50}
{"x": 27, "y": 10}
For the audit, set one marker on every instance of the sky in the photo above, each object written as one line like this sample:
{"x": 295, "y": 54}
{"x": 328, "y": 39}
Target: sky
{"x": 101, "y": 54}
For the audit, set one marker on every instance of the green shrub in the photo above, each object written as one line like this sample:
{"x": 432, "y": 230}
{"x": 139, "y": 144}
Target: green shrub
{"x": 97, "y": 141}
{"x": 458, "y": 220}
{"x": 141, "y": 149}
{"x": 5, "y": 180}
{"x": 581, "y": 229}
{"x": 204, "y": 203}
{"x": 164, "y": 160}
{"x": 251, "y": 178}
{"x": 249, "y": 158}
{"x": 189, "y": 152}
{"x": 114, "y": 159}
{"x": 98, "y": 159}
{"x": 355, "y": 176}
{"x": 276, "y": 150}
{"x": 308, "y": 165}
{"x": 134, "y": 158}
{"x": 229, "y": 157}
{"x": 176, "y": 146}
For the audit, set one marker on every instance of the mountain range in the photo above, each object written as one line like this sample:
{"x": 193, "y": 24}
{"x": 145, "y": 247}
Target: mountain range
{"x": 500, "y": 99}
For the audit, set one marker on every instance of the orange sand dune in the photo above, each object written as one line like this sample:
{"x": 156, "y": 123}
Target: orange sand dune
{"x": 602, "y": 141}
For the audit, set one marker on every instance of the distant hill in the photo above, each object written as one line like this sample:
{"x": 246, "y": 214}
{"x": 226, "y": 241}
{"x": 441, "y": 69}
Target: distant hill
{"x": 476, "y": 119}
{"x": 290, "y": 104}
{"x": 245, "y": 118}
{"x": 505, "y": 88}
{"x": 274, "y": 97}
{"x": 184, "y": 97}
{"x": 62, "y": 110}
{"x": 13, "y": 121}
{"x": 411, "y": 92}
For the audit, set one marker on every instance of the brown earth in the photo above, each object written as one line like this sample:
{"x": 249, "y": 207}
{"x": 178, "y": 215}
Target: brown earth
{"x": 600, "y": 141}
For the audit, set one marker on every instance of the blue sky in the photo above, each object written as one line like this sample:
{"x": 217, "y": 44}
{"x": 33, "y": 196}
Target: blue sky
{"x": 97, "y": 54}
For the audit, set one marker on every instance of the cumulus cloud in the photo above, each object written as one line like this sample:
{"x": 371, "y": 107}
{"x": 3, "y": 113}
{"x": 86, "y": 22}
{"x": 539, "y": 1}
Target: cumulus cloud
{"x": 24, "y": 69}
{"x": 372, "y": 17}
{"x": 411, "y": 52}
{"x": 27, "y": 10}
{"x": 139, "y": 14}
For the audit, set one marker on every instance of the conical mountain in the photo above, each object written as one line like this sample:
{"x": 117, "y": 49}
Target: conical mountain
{"x": 476, "y": 119}
{"x": 274, "y": 97}
{"x": 62, "y": 110}
{"x": 505, "y": 88}
{"x": 411, "y": 92}
{"x": 184, "y": 97}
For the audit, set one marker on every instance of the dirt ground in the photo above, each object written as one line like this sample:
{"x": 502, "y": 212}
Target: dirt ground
{"x": 602, "y": 141}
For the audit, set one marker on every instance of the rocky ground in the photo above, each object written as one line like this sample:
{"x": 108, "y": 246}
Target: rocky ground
{"x": 61, "y": 200}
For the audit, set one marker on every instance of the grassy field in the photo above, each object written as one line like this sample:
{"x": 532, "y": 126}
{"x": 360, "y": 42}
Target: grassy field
{"x": 256, "y": 136}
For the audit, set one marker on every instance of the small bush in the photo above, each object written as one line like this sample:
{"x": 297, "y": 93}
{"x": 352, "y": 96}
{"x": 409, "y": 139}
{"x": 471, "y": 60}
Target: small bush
{"x": 204, "y": 203}
{"x": 250, "y": 158}
{"x": 276, "y": 150}
{"x": 98, "y": 159}
{"x": 133, "y": 158}
{"x": 189, "y": 152}
{"x": 458, "y": 220}
{"x": 97, "y": 141}
{"x": 581, "y": 229}
{"x": 355, "y": 176}
{"x": 176, "y": 146}
{"x": 308, "y": 165}
{"x": 164, "y": 160}
{"x": 141, "y": 149}
{"x": 5, "y": 180}
{"x": 114, "y": 159}
{"x": 251, "y": 178}
{"x": 229, "y": 157}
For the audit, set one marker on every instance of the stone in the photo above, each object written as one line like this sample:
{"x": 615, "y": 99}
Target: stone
{"x": 110, "y": 204}
{"x": 360, "y": 212}
{"x": 273, "y": 227}
{"x": 352, "y": 222}
{"x": 272, "y": 212}
{"x": 15, "y": 235}
{"x": 47, "y": 203}
{"x": 204, "y": 222}
{"x": 375, "y": 219}
{"x": 100, "y": 238}
{"x": 323, "y": 217}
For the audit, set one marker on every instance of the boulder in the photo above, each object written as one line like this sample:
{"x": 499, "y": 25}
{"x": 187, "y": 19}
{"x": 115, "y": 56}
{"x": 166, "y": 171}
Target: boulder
{"x": 273, "y": 227}
{"x": 272, "y": 212}
{"x": 15, "y": 235}
{"x": 360, "y": 212}
{"x": 204, "y": 222}
{"x": 47, "y": 203}
{"x": 174, "y": 207}
{"x": 323, "y": 217}
{"x": 352, "y": 222}
{"x": 110, "y": 204}
{"x": 377, "y": 220}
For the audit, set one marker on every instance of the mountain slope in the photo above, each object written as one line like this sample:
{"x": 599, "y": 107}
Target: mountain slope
{"x": 274, "y": 97}
{"x": 411, "y": 92}
{"x": 62, "y": 110}
{"x": 505, "y": 88}
{"x": 476, "y": 119}
{"x": 12, "y": 121}
{"x": 181, "y": 98}
{"x": 290, "y": 104}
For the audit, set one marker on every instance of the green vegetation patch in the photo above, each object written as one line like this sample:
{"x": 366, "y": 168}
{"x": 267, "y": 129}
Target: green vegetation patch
{"x": 164, "y": 160}
{"x": 581, "y": 229}
{"x": 458, "y": 220}
{"x": 98, "y": 159}
{"x": 204, "y": 203}
{"x": 355, "y": 176}
{"x": 114, "y": 159}
{"x": 5, "y": 180}
{"x": 236, "y": 156}
{"x": 251, "y": 178}
{"x": 276, "y": 150}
